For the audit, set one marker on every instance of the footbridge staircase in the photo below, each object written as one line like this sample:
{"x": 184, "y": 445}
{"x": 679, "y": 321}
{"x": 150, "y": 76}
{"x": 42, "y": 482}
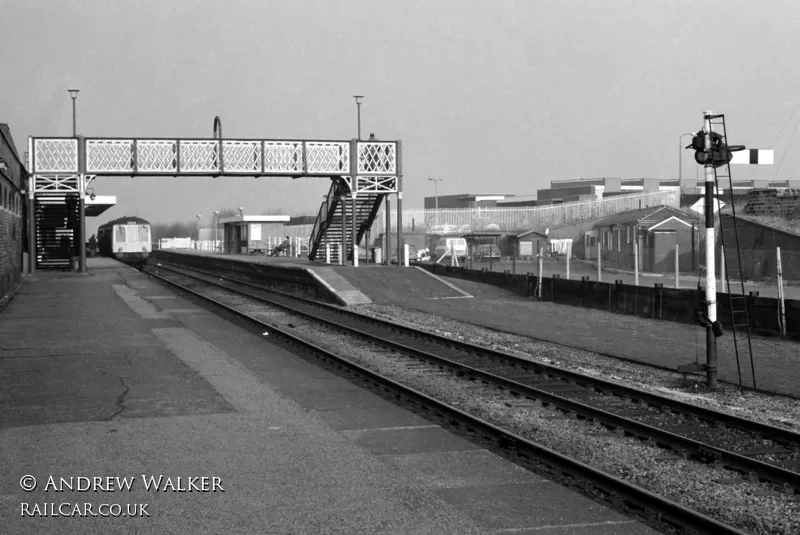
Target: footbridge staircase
{"x": 332, "y": 232}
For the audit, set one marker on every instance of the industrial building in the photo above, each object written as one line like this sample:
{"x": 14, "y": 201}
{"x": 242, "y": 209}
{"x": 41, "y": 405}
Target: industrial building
{"x": 590, "y": 189}
{"x": 466, "y": 200}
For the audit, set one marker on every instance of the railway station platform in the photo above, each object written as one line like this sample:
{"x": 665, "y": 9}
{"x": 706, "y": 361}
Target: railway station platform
{"x": 111, "y": 375}
{"x": 368, "y": 283}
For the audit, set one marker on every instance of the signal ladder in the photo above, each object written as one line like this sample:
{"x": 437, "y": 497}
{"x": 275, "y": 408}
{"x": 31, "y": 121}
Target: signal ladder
{"x": 737, "y": 300}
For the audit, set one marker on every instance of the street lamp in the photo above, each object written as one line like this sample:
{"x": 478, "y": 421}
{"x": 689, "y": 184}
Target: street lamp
{"x": 436, "y": 197}
{"x": 216, "y": 230}
{"x": 74, "y": 94}
{"x": 359, "y": 98}
{"x": 197, "y": 245}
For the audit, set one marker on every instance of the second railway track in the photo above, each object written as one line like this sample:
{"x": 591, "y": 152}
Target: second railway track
{"x": 692, "y": 432}
{"x": 758, "y": 451}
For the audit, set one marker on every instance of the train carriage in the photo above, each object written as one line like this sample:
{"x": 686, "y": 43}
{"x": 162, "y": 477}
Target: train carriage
{"x": 128, "y": 239}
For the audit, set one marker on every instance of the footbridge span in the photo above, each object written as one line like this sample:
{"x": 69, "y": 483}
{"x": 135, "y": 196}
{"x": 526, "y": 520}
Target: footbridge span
{"x": 362, "y": 174}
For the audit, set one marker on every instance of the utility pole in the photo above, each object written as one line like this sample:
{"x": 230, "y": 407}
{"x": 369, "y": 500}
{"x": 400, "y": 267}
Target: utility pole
{"x": 197, "y": 243}
{"x": 81, "y": 186}
{"x": 216, "y": 231}
{"x": 711, "y": 273}
{"x": 436, "y": 198}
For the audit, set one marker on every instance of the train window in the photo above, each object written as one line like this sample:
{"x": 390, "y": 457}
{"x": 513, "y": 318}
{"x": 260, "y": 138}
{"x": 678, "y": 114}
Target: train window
{"x": 132, "y": 234}
{"x": 119, "y": 234}
{"x": 144, "y": 234}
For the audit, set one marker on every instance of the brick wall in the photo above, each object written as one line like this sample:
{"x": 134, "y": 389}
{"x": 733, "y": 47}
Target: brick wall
{"x": 757, "y": 248}
{"x": 12, "y": 212}
{"x": 769, "y": 202}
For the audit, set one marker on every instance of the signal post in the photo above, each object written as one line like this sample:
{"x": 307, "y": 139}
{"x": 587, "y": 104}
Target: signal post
{"x": 711, "y": 151}
{"x": 711, "y": 271}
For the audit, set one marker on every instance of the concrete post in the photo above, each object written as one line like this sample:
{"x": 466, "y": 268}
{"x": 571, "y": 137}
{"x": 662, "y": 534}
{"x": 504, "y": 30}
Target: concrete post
{"x": 599, "y": 258}
{"x": 539, "y": 274}
{"x": 355, "y": 232}
{"x": 399, "y": 200}
{"x": 327, "y": 253}
{"x": 677, "y": 268}
{"x": 343, "y": 243}
{"x": 82, "y": 204}
{"x": 636, "y": 263}
{"x": 388, "y": 234}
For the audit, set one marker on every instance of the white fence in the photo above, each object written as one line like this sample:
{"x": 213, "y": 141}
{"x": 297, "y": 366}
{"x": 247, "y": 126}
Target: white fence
{"x": 462, "y": 220}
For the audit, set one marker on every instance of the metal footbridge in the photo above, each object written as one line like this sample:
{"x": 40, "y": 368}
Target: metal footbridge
{"x": 363, "y": 174}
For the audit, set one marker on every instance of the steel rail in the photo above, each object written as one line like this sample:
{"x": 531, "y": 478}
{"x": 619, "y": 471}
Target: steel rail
{"x": 519, "y": 446}
{"x": 787, "y": 479}
{"x": 709, "y": 416}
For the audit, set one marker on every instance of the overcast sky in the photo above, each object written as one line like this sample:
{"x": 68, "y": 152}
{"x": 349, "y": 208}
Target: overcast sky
{"x": 490, "y": 95}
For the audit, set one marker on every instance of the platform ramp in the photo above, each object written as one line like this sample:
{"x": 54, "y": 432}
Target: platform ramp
{"x": 391, "y": 284}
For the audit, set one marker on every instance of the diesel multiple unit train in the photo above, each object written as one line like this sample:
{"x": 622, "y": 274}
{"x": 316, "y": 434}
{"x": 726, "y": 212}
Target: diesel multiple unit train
{"x": 127, "y": 239}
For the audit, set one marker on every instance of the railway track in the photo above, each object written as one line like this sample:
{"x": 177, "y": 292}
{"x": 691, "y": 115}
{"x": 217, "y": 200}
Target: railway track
{"x": 693, "y": 432}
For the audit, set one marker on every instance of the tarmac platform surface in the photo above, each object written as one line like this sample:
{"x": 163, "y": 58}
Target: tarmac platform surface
{"x": 362, "y": 285}
{"x": 110, "y": 374}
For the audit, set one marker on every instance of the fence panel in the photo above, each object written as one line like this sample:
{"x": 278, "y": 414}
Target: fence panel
{"x": 463, "y": 220}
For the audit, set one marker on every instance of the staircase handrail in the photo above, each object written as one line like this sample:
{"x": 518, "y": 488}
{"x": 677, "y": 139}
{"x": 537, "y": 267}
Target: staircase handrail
{"x": 322, "y": 217}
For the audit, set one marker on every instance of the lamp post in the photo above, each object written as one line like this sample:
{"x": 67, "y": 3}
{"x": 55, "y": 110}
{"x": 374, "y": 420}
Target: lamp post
{"x": 436, "y": 197}
{"x": 74, "y": 94}
{"x": 197, "y": 245}
{"x": 359, "y": 98}
{"x": 216, "y": 231}
{"x": 680, "y": 156}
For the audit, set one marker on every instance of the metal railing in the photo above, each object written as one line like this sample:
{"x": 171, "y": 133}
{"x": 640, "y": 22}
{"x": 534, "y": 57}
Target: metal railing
{"x": 463, "y": 220}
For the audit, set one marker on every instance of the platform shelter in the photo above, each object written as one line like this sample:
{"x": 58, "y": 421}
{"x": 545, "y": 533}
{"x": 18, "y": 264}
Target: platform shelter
{"x": 246, "y": 233}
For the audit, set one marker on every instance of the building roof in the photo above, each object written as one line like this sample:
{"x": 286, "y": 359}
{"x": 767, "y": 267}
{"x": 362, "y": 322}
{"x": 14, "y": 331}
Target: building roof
{"x": 472, "y": 195}
{"x": 484, "y": 234}
{"x": 642, "y": 215}
{"x": 532, "y": 231}
{"x": 775, "y": 224}
{"x": 5, "y": 132}
{"x": 100, "y": 204}
{"x": 255, "y": 219}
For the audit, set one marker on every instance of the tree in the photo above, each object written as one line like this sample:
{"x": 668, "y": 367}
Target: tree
{"x": 176, "y": 229}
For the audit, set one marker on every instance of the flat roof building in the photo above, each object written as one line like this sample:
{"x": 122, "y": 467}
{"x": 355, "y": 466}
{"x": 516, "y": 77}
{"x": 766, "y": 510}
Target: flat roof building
{"x": 465, "y": 200}
{"x": 245, "y": 233}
